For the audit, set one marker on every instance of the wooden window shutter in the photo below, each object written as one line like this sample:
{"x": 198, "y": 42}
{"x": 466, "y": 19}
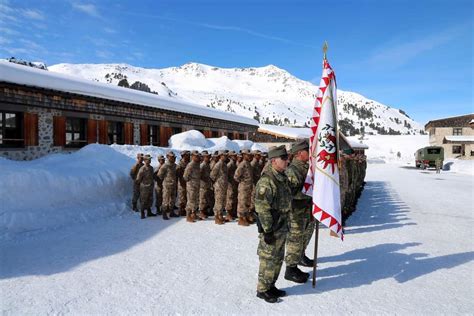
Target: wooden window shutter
{"x": 144, "y": 137}
{"x": 207, "y": 134}
{"x": 128, "y": 131}
{"x": 236, "y": 135}
{"x": 91, "y": 131}
{"x": 165, "y": 134}
{"x": 30, "y": 126}
{"x": 59, "y": 130}
{"x": 103, "y": 132}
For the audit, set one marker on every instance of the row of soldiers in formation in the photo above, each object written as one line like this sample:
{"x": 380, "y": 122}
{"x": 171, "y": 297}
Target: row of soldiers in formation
{"x": 204, "y": 185}
{"x": 241, "y": 183}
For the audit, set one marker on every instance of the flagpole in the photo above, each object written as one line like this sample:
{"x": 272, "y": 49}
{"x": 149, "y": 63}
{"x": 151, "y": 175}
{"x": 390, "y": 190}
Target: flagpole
{"x": 315, "y": 261}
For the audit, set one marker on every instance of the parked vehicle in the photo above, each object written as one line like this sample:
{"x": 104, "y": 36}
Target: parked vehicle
{"x": 426, "y": 157}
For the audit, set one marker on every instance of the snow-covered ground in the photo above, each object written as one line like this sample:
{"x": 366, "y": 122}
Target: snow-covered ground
{"x": 408, "y": 250}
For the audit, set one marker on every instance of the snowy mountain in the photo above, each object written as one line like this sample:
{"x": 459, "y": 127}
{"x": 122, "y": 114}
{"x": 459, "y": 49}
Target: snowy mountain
{"x": 269, "y": 94}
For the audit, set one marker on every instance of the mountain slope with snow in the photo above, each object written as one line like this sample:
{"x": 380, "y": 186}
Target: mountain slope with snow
{"x": 269, "y": 94}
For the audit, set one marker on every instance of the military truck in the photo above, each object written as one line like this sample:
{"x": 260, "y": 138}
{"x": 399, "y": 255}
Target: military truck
{"x": 426, "y": 157}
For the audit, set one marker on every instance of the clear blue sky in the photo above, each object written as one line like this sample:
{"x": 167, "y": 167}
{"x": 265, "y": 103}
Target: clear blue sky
{"x": 413, "y": 55}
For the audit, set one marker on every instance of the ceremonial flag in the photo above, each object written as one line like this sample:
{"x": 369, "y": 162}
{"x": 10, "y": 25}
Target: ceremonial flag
{"x": 322, "y": 180}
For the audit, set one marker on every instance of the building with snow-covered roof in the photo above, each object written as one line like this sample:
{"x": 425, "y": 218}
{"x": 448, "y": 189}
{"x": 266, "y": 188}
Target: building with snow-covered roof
{"x": 43, "y": 112}
{"x": 455, "y": 134}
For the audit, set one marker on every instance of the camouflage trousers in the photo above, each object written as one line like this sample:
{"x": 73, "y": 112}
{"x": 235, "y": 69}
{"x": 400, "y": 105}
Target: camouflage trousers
{"x": 220, "y": 196}
{"x": 271, "y": 260}
{"x": 205, "y": 194}
{"x": 182, "y": 196}
{"x": 169, "y": 197}
{"x": 146, "y": 196}
{"x": 192, "y": 198}
{"x": 158, "y": 197}
{"x": 231, "y": 199}
{"x": 136, "y": 195}
{"x": 252, "y": 198}
{"x": 244, "y": 199}
{"x": 301, "y": 227}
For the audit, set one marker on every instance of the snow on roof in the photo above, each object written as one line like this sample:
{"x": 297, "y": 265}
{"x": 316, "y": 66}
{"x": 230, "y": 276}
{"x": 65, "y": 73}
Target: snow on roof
{"x": 283, "y": 131}
{"x": 355, "y": 144}
{"x": 463, "y": 138}
{"x": 472, "y": 121}
{"x": 10, "y": 72}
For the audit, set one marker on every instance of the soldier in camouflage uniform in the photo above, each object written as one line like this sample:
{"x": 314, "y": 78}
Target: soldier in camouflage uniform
{"x": 272, "y": 204}
{"x": 158, "y": 185}
{"x": 205, "y": 185}
{"x": 192, "y": 176}
{"x": 240, "y": 158}
{"x": 301, "y": 222}
{"x": 232, "y": 188}
{"x": 136, "y": 187}
{"x": 145, "y": 181}
{"x": 244, "y": 176}
{"x": 167, "y": 175}
{"x": 255, "y": 164}
{"x": 185, "y": 157}
{"x": 219, "y": 177}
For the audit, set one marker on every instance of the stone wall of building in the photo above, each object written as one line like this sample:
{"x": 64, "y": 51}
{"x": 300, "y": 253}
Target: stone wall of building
{"x": 352, "y": 175}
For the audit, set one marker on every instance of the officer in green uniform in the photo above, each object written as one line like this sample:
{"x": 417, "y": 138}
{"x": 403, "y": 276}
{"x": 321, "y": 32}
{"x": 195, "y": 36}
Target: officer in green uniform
{"x": 301, "y": 223}
{"x": 272, "y": 204}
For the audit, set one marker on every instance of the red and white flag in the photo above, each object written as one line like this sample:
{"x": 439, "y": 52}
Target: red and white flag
{"x": 322, "y": 181}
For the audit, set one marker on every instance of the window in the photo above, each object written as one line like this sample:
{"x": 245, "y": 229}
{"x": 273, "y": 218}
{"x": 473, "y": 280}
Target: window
{"x": 115, "y": 133}
{"x": 177, "y": 130}
{"x": 456, "y": 149}
{"x": 215, "y": 134}
{"x": 230, "y": 135}
{"x": 434, "y": 151}
{"x": 11, "y": 129}
{"x": 75, "y": 132}
{"x": 457, "y": 131}
{"x": 472, "y": 153}
{"x": 241, "y": 136}
{"x": 154, "y": 135}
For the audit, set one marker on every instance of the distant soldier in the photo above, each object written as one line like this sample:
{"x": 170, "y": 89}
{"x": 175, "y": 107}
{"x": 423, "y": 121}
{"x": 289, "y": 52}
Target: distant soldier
{"x": 219, "y": 177}
{"x": 192, "y": 176}
{"x": 214, "y": 159}
{"x": 255, "y": 163}
{"x": 300, "y": 219}
{"x": 158, "y": 185}
{"x": 438, "y": 164}
{"x": 232, "y": 188}
{"x": 167, "y": 174}
{"x": 205, "y": 185}
{"x": 145, "y": 181}
{"x": 181, "y": 183}
{"x": 244, "y": 176}
{"x": 240, "y": 158}
{"x": 272, "y": 204}
{"x": 136, "y": 187}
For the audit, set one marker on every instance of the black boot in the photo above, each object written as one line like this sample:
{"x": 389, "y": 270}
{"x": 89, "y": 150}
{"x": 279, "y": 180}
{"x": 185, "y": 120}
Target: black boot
{"x": 142, "y": 213}
{"x": 267, "y": 296}
{"x": 277, "y": 292}
{"x": 306, "y": 262}
{"x": 165, "y": 216}
{"x": 149, "y": 213}
{"x": 296, "y": 275}
{"x": 173, "y": 214}
{"x": 158, "y": 211}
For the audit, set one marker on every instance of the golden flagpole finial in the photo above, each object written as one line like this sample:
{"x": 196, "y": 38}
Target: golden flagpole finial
{"x": 325, "y": 49}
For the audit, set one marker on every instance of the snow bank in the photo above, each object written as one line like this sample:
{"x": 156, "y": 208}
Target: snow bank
{"x": 459, "y": 166}
{"x": 92, "y": 183}
{"x": 60, "y": 189}
{"x": 291, "y": 132}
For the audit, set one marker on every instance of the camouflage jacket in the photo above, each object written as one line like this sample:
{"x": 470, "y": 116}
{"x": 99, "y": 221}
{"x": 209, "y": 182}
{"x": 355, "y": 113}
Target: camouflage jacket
{"x": 255, "y": 164}
{"x": 134, "y": 171}
{"x": 273, "y": 201}
{"x": 296, "y": 173}
{"x": 167, "y": 173}
{"x": 180, "y": 172}
{"x": 205, "y": 175}
{"x": 244, "y": 173}
{"x": 231, "y": 167}
{"x": 145, "y": 176}
{"x": 219, "y": 174}
{"x": 192, "y": 173}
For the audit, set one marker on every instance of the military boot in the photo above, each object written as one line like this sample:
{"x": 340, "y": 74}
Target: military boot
{"x": 190, "y": 218}
{"x": 165, "y": 216}
{"x": 277, "y": 292}
{"x": 267, "y": 296}
{"x": 134, "y": 207}
{"x": 306, "y": 262}
{"x": 296, "y": 275}
{"x": 218, "y": 219}
{"x": 158, "y": 211}
{"x": 250, "y": 218}
{"x": 173, "y": 214}
{"x": 182, "y": 212}
{"x": 228, "y": 217}
{"x": 202, "y": 215}
{"x": 149, "y": 213}
{"x": 243, "y": 221}
{"x": 142, "y": 213}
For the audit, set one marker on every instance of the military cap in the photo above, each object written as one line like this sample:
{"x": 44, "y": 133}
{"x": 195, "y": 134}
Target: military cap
{"x": 265, "y": 154}
{"x": 140, "y": 155}
{"x": 147, "y": 157}
{"x": 299, "y": 145}
{"x": 184, "y": 152}
{"x": 204, "y": 153}
{"x": 170, "y": 154}
{"x": 277, "y": 151}
{"x": 195, "y": 153}
{"x": 232, "y": 153}
{"x": 245, "y": 151}
{"x": 222, "y": 152}
{"x": 256, "y": 152}
{"x": 160, "y": 157}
